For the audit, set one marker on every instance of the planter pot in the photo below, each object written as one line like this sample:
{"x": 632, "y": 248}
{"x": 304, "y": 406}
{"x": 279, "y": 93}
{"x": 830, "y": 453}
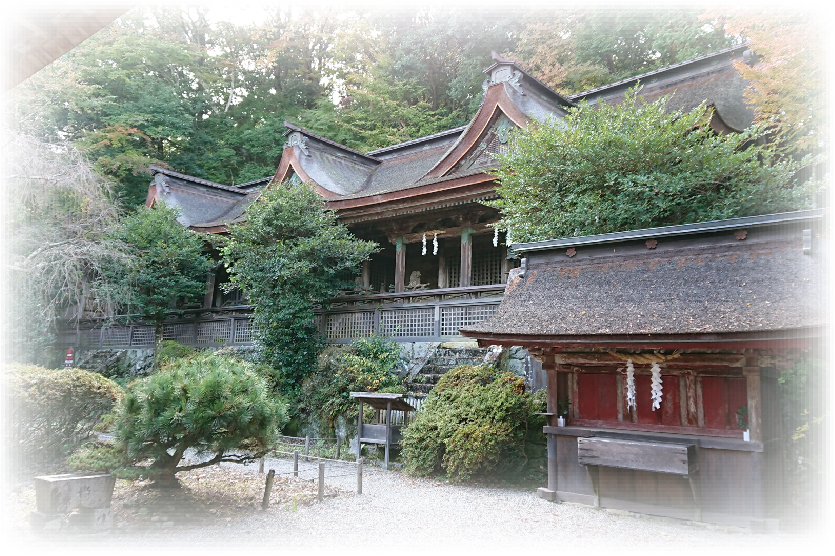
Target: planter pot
{"x": 560, "y": 421}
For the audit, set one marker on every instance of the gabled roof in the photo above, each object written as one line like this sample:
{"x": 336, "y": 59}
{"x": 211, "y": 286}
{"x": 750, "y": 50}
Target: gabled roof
{"x": 711, "y": 78}
{"x": 453, "y": 166}
{"x": 745, "y": 276}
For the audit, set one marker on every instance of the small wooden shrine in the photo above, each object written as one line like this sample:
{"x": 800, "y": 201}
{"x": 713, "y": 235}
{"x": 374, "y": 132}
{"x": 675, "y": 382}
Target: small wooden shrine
{"x": 382, "y": 431}
{"x": 663, "y": 349}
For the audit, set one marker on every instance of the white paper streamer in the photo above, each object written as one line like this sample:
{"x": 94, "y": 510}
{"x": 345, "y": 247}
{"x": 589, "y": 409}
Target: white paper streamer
{"x": 423, "y": 251}
{"x": 507, "y": 239}
{"x": 435, "y": 244}
{"x": 656, "y": 386}
{"x": 630, "y": 385}
{"x": 495, "y": 237}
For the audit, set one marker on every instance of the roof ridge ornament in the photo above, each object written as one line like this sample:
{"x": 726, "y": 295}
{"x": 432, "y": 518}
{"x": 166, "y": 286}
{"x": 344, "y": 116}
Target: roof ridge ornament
{"x": 296, "y": 139}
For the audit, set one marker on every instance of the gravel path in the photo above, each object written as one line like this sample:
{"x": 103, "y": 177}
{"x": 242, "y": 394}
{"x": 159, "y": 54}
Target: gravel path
{"x": 396, "y": 513}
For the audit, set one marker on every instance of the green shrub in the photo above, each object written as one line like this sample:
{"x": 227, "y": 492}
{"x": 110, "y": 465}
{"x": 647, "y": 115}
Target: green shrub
{"x": 217, "y": 405}
{"x": 368, "y": 365}
{"x": 169, "y": 350}
{"x": 50, "y": 411}
{"x": 476, "y": 421}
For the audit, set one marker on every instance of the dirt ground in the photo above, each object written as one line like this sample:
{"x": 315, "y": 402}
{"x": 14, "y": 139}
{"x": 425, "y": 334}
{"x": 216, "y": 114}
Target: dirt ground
{"x": 218, "y": 508}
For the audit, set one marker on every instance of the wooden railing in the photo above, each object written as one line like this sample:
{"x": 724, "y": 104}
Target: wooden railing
{"x": 425, "y": 315}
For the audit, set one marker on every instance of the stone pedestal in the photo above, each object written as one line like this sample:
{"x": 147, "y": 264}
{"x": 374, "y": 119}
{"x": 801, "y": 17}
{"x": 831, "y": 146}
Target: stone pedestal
{"x": 74, "y": 501}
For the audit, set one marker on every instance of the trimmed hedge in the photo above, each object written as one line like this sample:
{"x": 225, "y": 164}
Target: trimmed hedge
{"x": 49, "y": 411}
{"x": 476, "y": 421}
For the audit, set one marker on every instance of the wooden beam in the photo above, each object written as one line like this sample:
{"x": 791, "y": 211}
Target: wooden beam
{"x": 466, "y": 257}
{"x": 366, "y": 274}
{"x": 400, "y": 265}
{"x": 752, "y": 379}
{"x": 690, "y": 361}
{"x": 443, "y": 281}
{"x": 208, "y": 297}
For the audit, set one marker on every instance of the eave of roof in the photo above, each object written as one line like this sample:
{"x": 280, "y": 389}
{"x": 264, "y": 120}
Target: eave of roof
{"x": 201, "y": 181}
{"x": 292, "y": 127}
{"x": 643, "y": 76}
{"x": 666, "y": 231}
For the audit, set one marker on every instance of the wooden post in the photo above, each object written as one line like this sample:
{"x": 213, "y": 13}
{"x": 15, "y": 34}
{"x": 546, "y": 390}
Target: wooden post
{"x": 295, "y": 463}
{"x": 466, "y": 257}
{"x": 359, "y": 475}
{"x": 261, "y": 465}
{"x": 306, "y": 447}
{"x": 338, "y": 446}
{"x": 267, "y": 488}
{"x": 552, "y": 407}
{"x": 359, "y": 432}
{"x": 505, "y": 264}
{"x": 366, "y": 274}
{"x": 443, "y": 281}
{"x": 388, "y": 433}
{"x": 400, "y": 264}
{"x": 321, "y": 494}
{"x": 209, "y": 295}
{"x": 752, "y": 383}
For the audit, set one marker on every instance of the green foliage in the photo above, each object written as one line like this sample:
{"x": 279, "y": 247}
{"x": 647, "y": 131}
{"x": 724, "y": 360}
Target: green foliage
{"x": 805, "y": 428}
{"x": 169, "y": 263}
{"x": 368, "y": 365}
{"x": 167, "y": 351}
{"x": 50, "y": 411}
{"x": 104, "y": 457}
{"x": 476, "y": 421}
{"x": 637, "y": 165}
{"x": 211, "y": 403}
{"x": 291, "y": 254}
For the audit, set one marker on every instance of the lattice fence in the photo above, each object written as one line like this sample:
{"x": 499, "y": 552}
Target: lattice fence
{"x": 116, "y": 336}
{"x": 142, "y": 336}
{"x": 407, "y": 322}
{"x": 453, "y": 318}
{"x": 487, "y": 267}
{"x": 245, "y": 331}
{"x": 453, "y": 271}
{"x": 180, "y": 333}
{"x": 213, "y": 332}
{"x": 350, "y": 325}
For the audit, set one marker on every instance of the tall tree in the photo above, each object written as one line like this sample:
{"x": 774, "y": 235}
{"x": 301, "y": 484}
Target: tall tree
{"x": 290, "y": 255}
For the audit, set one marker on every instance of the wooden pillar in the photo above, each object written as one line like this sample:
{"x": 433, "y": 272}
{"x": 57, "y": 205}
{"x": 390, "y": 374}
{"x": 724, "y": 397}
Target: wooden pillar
{"x": 505, "y": 264}
{"x": 400, "y": 264}
{"x": 359, "y": 433}
{"x": 442, "y": 271}
{"x": 550, "y": 367}
{"x": 752, "y": 379}
{"x": 388, "y": 433}
{"x": 466, "y": 257}
{"x": 209, "y": 296}
{"x": 366, "y": 274}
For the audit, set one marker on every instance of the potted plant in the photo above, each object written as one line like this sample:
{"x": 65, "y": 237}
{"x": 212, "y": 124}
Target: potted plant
{"x": 742, "y": 421}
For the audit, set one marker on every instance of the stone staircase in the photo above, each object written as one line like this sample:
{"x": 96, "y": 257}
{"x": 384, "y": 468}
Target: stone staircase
{"x": 441, "y": 361}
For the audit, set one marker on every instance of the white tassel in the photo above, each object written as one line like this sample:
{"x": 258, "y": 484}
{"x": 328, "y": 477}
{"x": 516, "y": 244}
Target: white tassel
{"x": 630, "y": 385}
{"x": 423, "y": 251}
{"x": 495, "y": 237}
{"x": 435, "y": 244}
{"x": 656, "y": 386}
